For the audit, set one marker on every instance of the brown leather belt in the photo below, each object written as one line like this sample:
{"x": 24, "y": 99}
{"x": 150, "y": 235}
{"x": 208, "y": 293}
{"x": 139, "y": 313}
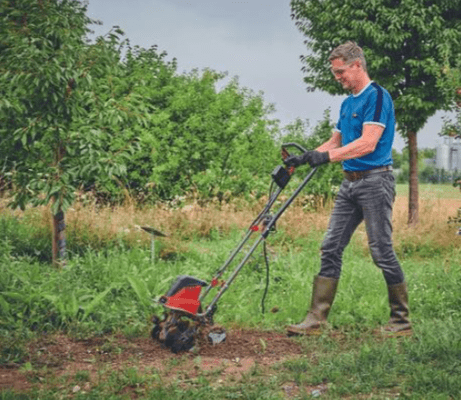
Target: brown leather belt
{"x": 356, "y": 175}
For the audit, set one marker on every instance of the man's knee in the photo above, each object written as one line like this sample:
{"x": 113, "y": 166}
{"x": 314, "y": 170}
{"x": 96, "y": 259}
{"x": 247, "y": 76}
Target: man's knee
{"x": 330, "y": 264}
{"x": 384, "y": 257}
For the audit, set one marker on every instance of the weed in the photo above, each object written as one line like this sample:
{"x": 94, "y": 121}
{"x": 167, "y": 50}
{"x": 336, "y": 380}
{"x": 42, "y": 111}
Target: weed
{"x": 13, "y": 349}
{"x": 11, "y": 395}
{"x": 82, "y": 376}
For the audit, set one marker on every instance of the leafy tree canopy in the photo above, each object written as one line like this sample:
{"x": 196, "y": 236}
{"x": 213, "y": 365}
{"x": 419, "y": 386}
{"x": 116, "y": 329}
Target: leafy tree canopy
{"x": 408, "y": 45}
{"x": 58, "y": 121}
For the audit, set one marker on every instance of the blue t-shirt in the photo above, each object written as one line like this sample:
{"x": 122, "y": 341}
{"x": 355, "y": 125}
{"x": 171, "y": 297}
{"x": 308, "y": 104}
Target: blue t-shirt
{"x": 373, "y": 105}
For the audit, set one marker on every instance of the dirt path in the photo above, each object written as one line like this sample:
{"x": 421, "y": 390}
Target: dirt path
{"x": 61, "y": 356}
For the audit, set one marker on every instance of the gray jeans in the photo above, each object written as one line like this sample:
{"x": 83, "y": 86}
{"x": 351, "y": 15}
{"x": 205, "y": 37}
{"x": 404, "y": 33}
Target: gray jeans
{"x": 371, "y": 199}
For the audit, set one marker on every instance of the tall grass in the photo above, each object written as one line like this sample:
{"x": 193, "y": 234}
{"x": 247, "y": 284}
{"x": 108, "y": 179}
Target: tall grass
{"x": 90, "y": 226}
{"x": 110, "y": 282}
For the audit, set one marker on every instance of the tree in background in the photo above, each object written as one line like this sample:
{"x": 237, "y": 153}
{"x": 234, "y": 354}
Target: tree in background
{"x": 409, "y": 46}
{"x": 214, "y": 143}
{"x": 56, "y": 125}
{"x": 109, "y": 117}
{"x": 226, "y": 137}
{"x": 427, "y": 171}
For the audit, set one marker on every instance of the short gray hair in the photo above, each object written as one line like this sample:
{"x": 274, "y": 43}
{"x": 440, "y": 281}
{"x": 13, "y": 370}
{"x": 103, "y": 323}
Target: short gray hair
{"x": 349, "y": 52}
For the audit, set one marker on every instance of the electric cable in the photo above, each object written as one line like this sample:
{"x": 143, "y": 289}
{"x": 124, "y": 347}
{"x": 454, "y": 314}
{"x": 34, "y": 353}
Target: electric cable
{"x": 267, "y": 278}
{"x": 266, "y": 259}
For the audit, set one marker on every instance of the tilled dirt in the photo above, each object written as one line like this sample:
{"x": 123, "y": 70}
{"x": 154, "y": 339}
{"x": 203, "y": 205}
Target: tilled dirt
{"x": 61, "y": 355}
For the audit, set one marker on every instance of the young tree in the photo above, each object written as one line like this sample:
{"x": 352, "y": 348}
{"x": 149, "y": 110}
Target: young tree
{"x": 408, "y": 45}
{"x": 56, "y": 127}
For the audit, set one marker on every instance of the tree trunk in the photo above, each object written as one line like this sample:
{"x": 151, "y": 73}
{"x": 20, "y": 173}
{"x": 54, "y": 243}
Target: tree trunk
{"x": 59, "y": 240}
{"x": 2, "y": 186}
{"x": 59, "y": 236}
{"x": 413, "y": 205}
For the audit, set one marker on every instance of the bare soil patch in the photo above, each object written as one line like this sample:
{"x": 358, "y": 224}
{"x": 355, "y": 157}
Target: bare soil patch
{"x": 61, "y": 355}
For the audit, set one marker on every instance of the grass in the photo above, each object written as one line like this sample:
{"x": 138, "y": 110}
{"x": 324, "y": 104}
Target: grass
{"x": 109, "y": 282}
{"x": 431, "y": 191}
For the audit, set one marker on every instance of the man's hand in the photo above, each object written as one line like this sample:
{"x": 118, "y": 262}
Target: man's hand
{"x": 314, "y": 158}
{"x": 295, "y": 161}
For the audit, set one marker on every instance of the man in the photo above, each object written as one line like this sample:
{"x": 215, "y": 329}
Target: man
{"x": 362, "y": 141}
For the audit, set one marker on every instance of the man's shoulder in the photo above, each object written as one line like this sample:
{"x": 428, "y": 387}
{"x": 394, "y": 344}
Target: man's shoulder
{"x": 372, "y": 93}
{"x": 379, "y": 90}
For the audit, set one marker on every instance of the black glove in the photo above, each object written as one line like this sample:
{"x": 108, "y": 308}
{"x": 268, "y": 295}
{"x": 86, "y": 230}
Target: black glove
{"x": 295, "y": 161}
{"x": 314, "y": 158}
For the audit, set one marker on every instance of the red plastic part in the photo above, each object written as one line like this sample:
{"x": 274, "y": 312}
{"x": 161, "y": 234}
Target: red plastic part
{"x": 255, "y": 228}
{"x": 186, "y": 299}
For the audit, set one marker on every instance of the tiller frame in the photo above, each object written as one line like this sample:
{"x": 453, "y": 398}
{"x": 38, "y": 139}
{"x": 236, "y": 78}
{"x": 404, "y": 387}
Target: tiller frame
{"x": 184, "y": 315}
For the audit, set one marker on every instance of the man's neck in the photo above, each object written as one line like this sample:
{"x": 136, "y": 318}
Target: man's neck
{"x": 362, "y": 83}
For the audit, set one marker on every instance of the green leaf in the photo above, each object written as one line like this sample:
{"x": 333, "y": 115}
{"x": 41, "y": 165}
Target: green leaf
{"x": 97, "y": 300}
{"x": 4, "y": 306}
{"x": 140, "y": 288}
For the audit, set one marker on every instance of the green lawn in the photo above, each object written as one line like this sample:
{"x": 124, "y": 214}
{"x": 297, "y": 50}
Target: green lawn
{"x": 428, "y": 190}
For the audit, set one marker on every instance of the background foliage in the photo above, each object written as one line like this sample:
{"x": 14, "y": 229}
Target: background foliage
{"x": 118, "y": 120}
{"x": 56, "y": 102}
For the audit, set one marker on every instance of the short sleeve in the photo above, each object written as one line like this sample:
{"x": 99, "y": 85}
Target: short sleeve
{"x": 376, "y": 110}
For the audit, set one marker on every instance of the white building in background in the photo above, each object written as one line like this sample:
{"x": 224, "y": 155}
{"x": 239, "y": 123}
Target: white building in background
{"x": 448, "y": 156}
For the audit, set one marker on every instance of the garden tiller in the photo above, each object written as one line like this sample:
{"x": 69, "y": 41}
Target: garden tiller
{"x": 185, "y": 316}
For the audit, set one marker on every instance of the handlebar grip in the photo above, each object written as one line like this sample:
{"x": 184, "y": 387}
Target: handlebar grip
{"x": 285, "y": 155}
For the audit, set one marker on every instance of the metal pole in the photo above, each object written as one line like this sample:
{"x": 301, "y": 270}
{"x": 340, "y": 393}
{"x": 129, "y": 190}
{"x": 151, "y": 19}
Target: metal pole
{"x": 263, "y": 236}
{"x": 231, "y": 278}
{"x": 152, "y": 231}
{"x": 223, "y": 268}
{"x": 282, "y": 209}
{"x": 152, "y": 248}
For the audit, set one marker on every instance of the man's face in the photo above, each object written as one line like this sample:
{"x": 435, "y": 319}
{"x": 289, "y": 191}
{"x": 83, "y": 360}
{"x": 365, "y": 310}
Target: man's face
{"x": 345, "y": 74}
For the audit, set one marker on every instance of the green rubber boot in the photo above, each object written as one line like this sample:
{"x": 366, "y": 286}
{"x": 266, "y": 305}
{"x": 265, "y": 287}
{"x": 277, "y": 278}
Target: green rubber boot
{"x": 323, "y": 294}
{"x": 399, "y": 322}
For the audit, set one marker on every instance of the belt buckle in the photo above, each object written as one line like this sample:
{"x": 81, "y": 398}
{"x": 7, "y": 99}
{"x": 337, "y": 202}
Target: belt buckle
{"x": 356, "y": 175}
{"x": 351, "y": 176}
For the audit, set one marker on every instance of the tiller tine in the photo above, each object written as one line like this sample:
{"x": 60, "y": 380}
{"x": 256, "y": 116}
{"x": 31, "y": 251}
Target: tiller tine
{"x": 181, "y": 324}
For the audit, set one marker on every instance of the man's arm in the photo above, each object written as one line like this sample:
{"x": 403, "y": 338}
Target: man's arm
{"x": 333, "y": 143}
{"x": 366, "y": 144}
